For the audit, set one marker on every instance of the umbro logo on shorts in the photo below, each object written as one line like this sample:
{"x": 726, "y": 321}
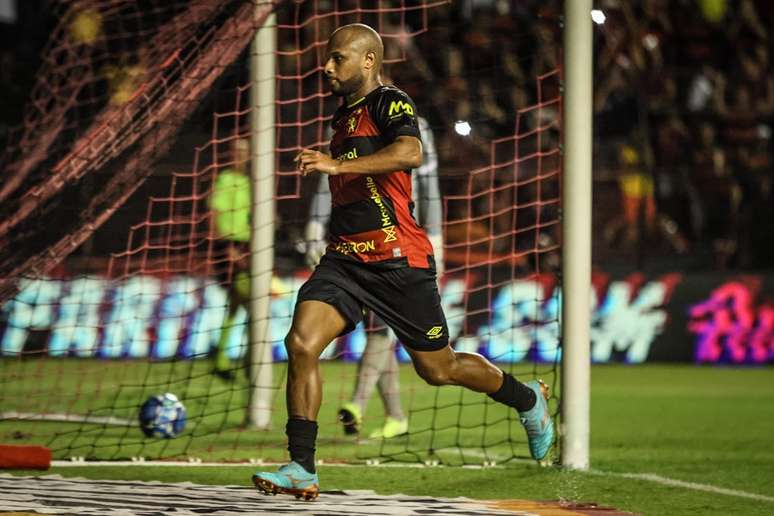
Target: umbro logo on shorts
{"x": 435, "y": 332}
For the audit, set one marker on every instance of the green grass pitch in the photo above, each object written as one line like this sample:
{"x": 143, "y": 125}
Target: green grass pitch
{"x": 459, "y": 426}
{"x": 709, "y": 426}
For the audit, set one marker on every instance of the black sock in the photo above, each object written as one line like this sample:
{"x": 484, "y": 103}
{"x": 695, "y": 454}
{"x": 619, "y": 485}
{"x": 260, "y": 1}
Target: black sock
{"x": 302, "y": 435}
{"x": 515, "y": 394}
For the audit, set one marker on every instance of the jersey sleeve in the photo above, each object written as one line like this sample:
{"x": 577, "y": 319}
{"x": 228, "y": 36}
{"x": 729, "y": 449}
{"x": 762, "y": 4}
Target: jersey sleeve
{"x": 396, "y": 115}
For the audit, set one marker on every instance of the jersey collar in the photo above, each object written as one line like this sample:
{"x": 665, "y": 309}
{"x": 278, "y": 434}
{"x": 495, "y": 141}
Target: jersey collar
{"x": 361, "y": 99}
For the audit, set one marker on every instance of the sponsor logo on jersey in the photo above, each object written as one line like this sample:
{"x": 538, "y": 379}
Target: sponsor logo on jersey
{"x": 390, "y": 235}
{"x": 348, "y": 155}
{"x": 399, "y": 107}
{"x": 354, "y": 247}
{"x": 436, "y": 332}
{"x": 351, "y": 125}
{"x": 388, "y": 226}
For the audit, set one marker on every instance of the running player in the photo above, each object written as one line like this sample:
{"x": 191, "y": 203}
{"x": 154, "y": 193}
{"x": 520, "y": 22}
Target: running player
{"x": 378, "y": 367}
{"x": 379, "y": 258}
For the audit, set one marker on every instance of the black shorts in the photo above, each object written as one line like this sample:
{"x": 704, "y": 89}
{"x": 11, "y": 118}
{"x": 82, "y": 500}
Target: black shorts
{"x": 406, "y": 298}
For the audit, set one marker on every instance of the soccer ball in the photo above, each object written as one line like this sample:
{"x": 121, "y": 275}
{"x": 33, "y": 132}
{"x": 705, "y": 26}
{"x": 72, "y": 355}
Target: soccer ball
{"x": 162, "y": 415}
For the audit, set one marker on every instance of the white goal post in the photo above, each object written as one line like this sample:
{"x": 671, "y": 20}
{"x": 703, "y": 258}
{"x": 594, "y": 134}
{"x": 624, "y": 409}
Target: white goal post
{"x": 576, "y": 233}
{"x": 262, "y": 143}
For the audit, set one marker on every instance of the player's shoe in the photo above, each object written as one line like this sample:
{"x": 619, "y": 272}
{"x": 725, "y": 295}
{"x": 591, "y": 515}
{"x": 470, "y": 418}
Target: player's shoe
{"x": 291, "y": 479}
{"x": 223, "y": 368}
{"x": 392, "y": 428}
{"x": 537, "y": 422}
{"x": 224, "y": 374}
{"x": 351, "y": 418}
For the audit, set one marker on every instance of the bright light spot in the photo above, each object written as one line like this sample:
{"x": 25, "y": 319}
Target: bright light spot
{"x": 650, "y": 41}
{"x": 462, "y": 127}
{"x": 598, "y": 16}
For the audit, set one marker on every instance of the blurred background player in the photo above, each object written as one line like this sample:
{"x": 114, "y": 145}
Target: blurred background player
{"x": 379, "y": 365}
{"x": 230, "y": 205}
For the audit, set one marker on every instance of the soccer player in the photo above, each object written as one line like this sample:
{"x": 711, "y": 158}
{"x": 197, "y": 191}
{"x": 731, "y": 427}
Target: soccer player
{"x": 379, "y": 366}
{"x": 230, "y": 205}
{"x": 379, "y": 258}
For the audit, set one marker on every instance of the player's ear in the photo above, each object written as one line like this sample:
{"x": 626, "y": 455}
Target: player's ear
{"x": 369, "y": 60}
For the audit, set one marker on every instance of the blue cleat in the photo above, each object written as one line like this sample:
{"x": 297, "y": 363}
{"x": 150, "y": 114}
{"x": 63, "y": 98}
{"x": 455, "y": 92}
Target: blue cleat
{"x": 537, "y": 422}
{"x": 291, "y": 479}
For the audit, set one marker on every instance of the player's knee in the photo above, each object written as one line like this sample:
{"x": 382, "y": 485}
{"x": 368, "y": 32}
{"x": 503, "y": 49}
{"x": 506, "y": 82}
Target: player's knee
{"x": 297, "y": 346}
{"x": 435, "y": 376}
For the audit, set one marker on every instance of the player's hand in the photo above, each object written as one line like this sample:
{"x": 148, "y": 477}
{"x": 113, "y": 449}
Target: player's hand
{"x": 309, "y": 161}
{"x": 240, "y": 258}
{"x": 315, "y": 243}
{"x": 437, "y": 242}
{"x": 315, "y": 250}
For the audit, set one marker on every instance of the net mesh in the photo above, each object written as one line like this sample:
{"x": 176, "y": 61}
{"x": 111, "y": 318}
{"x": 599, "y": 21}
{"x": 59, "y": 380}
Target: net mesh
{"x": 128, "y": 88}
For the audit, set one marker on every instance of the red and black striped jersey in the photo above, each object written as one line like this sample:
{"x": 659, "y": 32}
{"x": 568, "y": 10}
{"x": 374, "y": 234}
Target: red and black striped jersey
{"x": 371, "y": 217}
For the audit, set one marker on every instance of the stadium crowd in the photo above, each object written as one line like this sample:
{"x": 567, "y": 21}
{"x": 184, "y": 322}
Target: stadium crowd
{"x": 684, "y": 107}
{"x": 684, "y": 101}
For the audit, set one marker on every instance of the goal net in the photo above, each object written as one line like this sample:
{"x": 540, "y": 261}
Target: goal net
{"x": 127, "y": 267}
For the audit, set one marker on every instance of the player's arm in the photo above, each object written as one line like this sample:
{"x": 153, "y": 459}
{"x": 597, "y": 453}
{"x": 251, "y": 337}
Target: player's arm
{"x": 428, "y": 193}
{"x": 429, "y": 201}
{"x": 316, "y": 227}
{"x": 403, "y": 154}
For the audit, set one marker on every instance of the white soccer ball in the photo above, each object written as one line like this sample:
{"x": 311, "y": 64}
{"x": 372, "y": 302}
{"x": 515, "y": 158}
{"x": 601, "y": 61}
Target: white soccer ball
{"x": 162, "y": 415}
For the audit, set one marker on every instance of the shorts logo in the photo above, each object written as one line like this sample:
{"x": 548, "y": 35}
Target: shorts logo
{"x": 400, "y": 107}
{"x": 435, "y": 332}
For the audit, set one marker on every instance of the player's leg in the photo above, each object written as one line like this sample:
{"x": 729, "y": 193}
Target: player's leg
{"x": 235, "y": 278}
{"x": 222, "y": 367}
{"x": 324, "y": 310}
{"x": 373, "y": 363}
{"x": 448, "y": 367}
{"x": 408, "y": 300}
{"x": 378, "y": 367}
{"x": 389, "y": 386}
{"x": 396, "y": 422}
{"x": 315, "y": 325}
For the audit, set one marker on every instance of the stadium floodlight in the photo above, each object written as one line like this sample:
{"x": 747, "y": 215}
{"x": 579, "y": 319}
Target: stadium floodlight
{"x": 598, "y": 16}
{"x": 462, "y": 128}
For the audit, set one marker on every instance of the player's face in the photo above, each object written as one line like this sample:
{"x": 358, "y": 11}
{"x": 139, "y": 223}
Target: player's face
{"x": 240, "y": 151}
{"x": 344, "y": 69}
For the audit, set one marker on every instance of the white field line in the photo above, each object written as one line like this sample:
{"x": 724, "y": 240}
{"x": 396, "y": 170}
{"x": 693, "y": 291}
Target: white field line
{"x": 649, "y": 477}
{"x": 69, "y": 418}
{"x": 652, "y": 477}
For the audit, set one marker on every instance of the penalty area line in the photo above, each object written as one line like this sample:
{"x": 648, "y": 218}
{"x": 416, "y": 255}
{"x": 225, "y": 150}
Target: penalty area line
{"x": 673, "y": 482}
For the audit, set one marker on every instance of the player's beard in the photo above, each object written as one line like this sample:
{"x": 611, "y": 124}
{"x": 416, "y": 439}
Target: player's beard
{"x": 347, "y": 87}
